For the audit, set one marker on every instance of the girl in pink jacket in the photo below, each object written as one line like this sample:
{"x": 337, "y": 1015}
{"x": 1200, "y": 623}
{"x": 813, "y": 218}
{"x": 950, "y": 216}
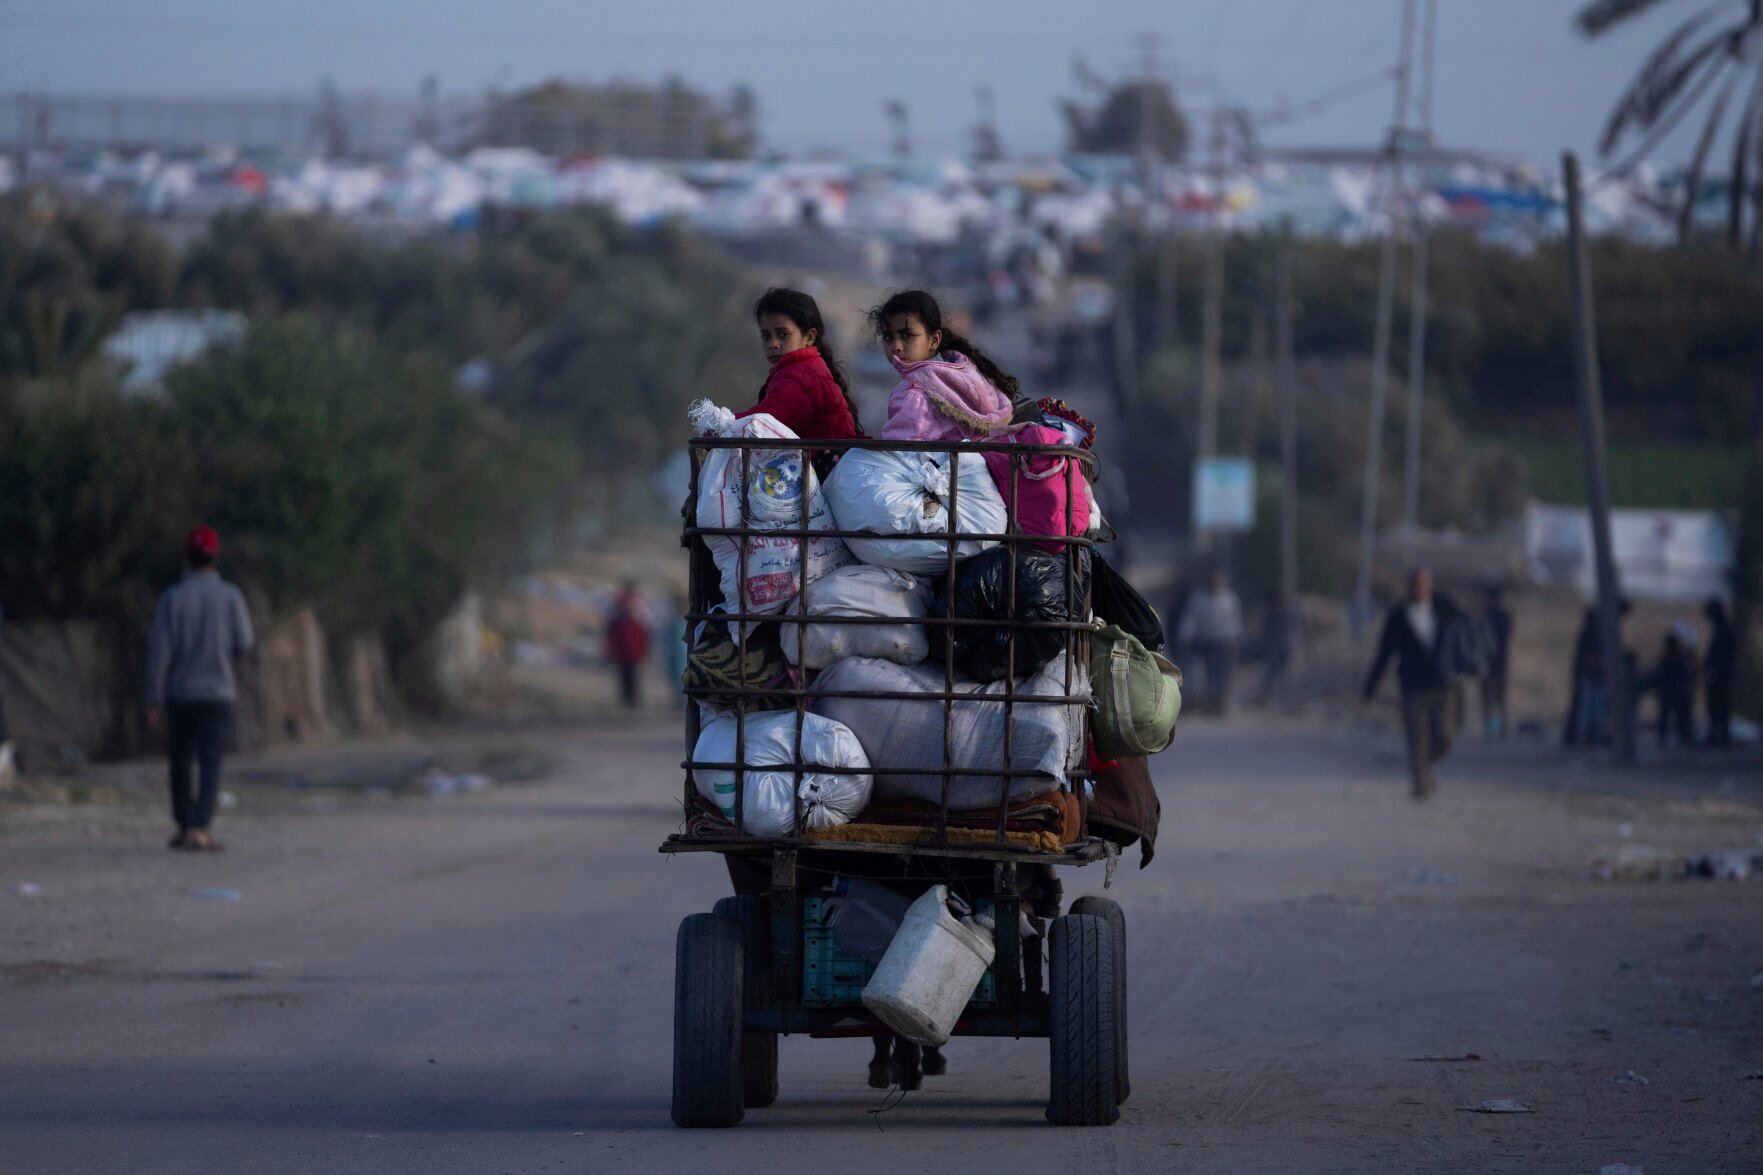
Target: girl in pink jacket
{"x": 948, "y": 389}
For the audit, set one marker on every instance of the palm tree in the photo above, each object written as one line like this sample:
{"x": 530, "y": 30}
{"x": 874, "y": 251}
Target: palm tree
{"x": 1719, "y": 49}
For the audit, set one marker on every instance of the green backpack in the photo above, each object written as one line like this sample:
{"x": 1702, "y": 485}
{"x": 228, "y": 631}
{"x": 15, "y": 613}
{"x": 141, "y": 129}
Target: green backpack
{"x": 1135, "y": 695}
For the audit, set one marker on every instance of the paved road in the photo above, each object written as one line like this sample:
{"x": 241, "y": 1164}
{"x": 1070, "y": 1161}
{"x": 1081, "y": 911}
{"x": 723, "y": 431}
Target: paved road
{"x": 483, "y": 983}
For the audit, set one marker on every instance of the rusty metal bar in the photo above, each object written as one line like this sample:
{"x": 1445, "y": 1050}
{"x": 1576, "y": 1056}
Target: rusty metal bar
{"x": 741, "y": 651}
{"x": 1012, "y": 524}
{"x": 801, "y": 646}
{"x": 949, "y": 645}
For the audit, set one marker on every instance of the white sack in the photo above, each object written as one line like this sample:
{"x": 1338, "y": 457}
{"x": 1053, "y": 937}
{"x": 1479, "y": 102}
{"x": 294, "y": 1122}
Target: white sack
{"x": 862, "y": 590}
{"x": 907, "y": 493}
{"x": 769, "y": 741}
{"x": 776, "y": 480}
{"x": 908, "y": 734}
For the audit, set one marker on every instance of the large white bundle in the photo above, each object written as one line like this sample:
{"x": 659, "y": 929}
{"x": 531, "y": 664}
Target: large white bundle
{"x": 862, "y": 590}
{"x": 776, "y": 480}
{"x": 908, "y": 734}
{"x": 770, "y": 741}
{"x": 908, "y": 493}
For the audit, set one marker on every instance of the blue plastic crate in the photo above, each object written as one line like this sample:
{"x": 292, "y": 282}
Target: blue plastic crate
{"x": 832, "y": 978}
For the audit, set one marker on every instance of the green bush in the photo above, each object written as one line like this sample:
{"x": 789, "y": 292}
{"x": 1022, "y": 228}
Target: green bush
{"x": 353, "y": 478}
{"x": 93, "y": 495}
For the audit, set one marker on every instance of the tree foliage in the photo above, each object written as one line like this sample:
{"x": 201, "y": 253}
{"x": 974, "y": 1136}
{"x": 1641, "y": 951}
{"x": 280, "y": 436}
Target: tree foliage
{"x": 354, "y": 478}
{"x": 1135, "y": 116}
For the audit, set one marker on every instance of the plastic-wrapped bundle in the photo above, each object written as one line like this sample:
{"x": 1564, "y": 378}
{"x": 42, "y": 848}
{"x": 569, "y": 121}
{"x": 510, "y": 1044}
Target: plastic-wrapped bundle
{"x": 862, "y": 590}
{"x": 907, "y": 733}
{"x": 982, "y": 592}
{"x": 776, "y": 479}
{"x": 769, "y": 742}
{"x": 896, "y": 494}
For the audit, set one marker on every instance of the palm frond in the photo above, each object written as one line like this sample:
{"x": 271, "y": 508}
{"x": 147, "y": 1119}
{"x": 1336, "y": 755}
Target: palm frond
{"x": 1601, "y": 15}
{"x": 1704, "y": 141}
{"x": 1741, "y": 161}
{"x": 1658, "y": 85}
{"x": 1657, "y": 133}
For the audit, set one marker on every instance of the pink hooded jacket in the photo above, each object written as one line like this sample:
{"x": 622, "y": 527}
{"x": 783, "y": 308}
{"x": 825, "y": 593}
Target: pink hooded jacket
{"x": 944, "y": 400}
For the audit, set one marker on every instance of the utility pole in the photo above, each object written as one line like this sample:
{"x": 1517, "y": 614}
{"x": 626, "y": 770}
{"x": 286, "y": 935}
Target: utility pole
{"x": 1417, "y": 286}
{"x": 1212, "y": 310}
{"x": 1591, "y": 418}
{"x": 1285, "y": 378}
{"x": 899, "y": 122}
{"x": 1380, "y": 347}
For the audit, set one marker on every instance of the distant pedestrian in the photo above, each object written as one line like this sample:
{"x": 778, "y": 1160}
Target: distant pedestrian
{"x": 1588, "y": 707}
{"x": 199, "y": 629}
{"x": 1277, "y": 639}
{"x": 1496, "y": 628}
{"x": 627, "y": 644}
{"x": 1212, "y": 626}
{"x": 1432, "y": 643}
{"x": 677, "y": 647}
{"x": 1674, "y": 679}
{"x": 6, "y": 767}
{"x": 1717, "y": 674}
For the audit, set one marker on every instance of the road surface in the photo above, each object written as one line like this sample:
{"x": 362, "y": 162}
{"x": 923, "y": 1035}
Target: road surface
{"x": 483, "y": 982}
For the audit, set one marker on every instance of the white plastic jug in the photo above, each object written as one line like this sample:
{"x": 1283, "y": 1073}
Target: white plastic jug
{"x": 930, "y": 970}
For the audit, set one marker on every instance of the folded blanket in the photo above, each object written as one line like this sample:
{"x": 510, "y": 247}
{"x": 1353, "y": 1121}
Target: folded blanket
{"x": 1056, "y": 812}
{"x": 895, "y": 834}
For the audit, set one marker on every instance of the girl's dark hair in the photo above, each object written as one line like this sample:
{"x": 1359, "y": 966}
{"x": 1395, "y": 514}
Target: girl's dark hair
{"x": 802, "y": 310}
{"x": 922, "y": 306}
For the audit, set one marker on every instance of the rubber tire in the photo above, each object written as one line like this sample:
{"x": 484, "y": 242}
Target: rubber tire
{"x": 707, "y": 1023}
{"x": 759, "y": 1087}
{"x": 1109, "y": 910}
{"x": 1080, "y": 951}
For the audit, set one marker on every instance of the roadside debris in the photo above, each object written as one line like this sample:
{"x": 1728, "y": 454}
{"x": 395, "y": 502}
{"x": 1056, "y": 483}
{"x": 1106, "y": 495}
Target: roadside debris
{"x": 214, "y": 895}
{"x": 1463, "y": 1057}
{"x": 30, "y": 889}
{"x": 437, "y": 781}
{"x": 1632, "y": 862}
{"x": 1757, "y": 981}
{"x": 1500, "y": 1105}
{"x": 1726, "y": 865}
{"x": 1629, "y": 1078}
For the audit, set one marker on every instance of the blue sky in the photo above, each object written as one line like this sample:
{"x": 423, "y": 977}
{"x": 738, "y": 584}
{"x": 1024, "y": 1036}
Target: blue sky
{"x": 1512, "y": 75}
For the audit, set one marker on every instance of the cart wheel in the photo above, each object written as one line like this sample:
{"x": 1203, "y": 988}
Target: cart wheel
{"x": 758, "y": 1049}
{"x": 1080, "y": 949}
{"x": 707, "y": 1022}
{"x": 1109, "y": 911}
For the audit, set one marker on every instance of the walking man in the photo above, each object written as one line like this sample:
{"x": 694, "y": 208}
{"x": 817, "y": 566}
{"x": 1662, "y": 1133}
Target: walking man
{"x": 627, "y": 643}
{"x": 1421, "y": 634}
{"x": 1212, "y": 625}
{"x": 1496, "y": 623}
{"x": 200, "y": 627}
{"x": 1717, "y": 672}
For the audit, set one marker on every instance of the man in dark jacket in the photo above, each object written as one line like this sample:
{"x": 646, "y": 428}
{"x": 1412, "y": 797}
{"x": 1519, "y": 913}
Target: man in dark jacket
{"x": 199, "y": 629}
{"x": 1431, "y": 641}
{"x": 1496, "y": 624}
{"x": 1717, "y": 671}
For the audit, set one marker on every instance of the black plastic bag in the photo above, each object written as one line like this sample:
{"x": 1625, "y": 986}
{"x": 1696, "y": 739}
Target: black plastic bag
{"x": 982, "y": 592}
{"x": 1118, "y": 602}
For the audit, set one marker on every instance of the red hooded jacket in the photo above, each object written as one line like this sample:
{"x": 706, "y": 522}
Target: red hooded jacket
{"x": 802, "y": 395}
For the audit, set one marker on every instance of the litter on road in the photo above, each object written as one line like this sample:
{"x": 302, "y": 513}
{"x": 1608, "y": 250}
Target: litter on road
{"x": 213, "y": 895}
{"x": 1499, "y": 1105}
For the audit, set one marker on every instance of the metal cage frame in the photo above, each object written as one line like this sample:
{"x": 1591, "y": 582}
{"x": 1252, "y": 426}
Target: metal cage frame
{"x": 1074, "y": 550}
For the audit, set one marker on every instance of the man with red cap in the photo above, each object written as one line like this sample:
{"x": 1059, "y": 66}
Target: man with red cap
{"x": 199, "y": 629}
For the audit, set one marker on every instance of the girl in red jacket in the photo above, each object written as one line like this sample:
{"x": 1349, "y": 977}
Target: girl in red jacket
{"x": 806, "y": 392}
